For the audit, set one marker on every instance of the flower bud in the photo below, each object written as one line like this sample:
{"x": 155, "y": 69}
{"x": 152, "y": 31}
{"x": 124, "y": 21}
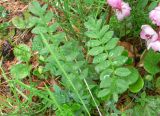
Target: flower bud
{"x": 154, "y": 45}
{"x": 123, "y": 12}
{"x": 148, "y": 33}
{"x": 154, "y": 15}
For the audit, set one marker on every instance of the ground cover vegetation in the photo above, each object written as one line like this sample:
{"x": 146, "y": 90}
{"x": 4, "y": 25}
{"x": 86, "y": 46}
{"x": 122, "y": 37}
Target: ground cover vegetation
{"x": 80, "y": 57}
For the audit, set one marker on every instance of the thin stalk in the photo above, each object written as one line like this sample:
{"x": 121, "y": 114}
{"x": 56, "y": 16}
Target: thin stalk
{"x": 91, "y": 93}
{"x": 63, "y": 71}
{"x": 92, "y": 97}
{"x": 109, "y": 15}
{"x": 125, "y": 28}
{"x": 22, "y": 94}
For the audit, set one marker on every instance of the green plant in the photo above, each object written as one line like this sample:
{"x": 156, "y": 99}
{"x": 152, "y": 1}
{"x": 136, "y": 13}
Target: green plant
{"x": 3, "y": 12}
{"x": 74, "y": 63}
{"x": 23, "y": 53}
{"x": 3, "y": 30}
{"x": 152, "y": 65}
{"x": 147, "y": 105}
{"x": 56, "y": 51}
{"x": 109, "y": 60}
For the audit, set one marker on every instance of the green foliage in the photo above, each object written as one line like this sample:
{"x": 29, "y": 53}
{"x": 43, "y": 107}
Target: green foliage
{"x": 84, "y": 71}
{"x": 150, "y": 106}
{"x": 137, "y": 86}
{"x": 20, "y": 71}
{"x": 59, "y": 60}
{"x": 153, "y": 5}
{"x": 36, "y": 9}
{"x": 134, "y": 76}
{"x": 21, "y": 23}
{"x": 22, "y": 52}
{"x": 122, "y": 72}
{"x": 3, "y": 12}
{"x": 151, "y": 62}
{"x": 4, "y": 30}
{"x": 109, "y": 60}
{"x": 69, "y": 109}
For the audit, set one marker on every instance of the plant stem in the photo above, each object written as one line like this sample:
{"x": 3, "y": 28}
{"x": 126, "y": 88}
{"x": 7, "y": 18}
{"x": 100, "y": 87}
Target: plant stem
{"x": 109, "y": 15}
{"x": 91, "y": 93}
{"x": 92, "y": 97}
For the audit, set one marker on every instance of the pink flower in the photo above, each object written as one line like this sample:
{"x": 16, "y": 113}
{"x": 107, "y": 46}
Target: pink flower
{"x": 154, "y": 15}
{"x": 123, "y": 12}
{"x": 154, "y": 45}
{"x": 148, "y": 33}
{"x": 115, "y": 4}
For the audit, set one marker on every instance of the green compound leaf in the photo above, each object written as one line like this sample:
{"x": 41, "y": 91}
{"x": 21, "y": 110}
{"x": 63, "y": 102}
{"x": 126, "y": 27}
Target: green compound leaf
{"x": 22, "y": 52}
{"x": 109, "y": 60}
{"x": 20, "y": 71}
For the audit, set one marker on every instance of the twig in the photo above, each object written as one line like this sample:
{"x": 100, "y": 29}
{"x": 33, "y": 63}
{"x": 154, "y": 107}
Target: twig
{"x": 109, "y": 15}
